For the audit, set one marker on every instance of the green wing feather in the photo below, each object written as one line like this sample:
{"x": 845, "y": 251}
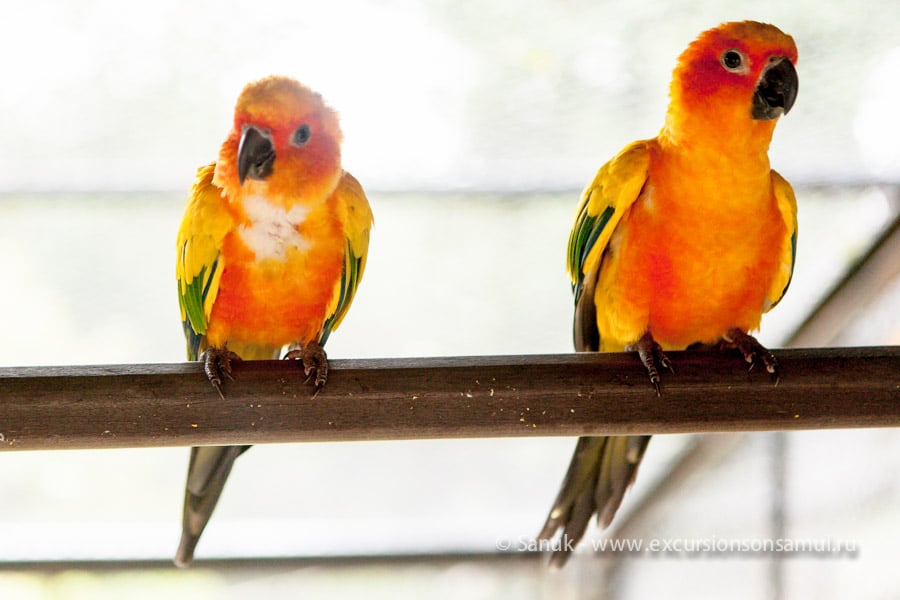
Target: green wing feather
{"x": 199, "y": 263}
{"x": 614, "y": 189}
{"x": 602, "y": 467}
{"x": 357, "y": 216}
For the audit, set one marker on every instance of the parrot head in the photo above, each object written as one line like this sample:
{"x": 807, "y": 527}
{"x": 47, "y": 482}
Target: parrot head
{"x": 737, "y": 77}
{"x": 285, "y": 141}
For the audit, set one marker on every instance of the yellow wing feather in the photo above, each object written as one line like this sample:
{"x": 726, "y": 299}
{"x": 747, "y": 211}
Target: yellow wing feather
{"x": 787, "y": 206}
{"x": 610, "y": 195}
{"x": 614, "y": 189}
{"x": 357, "y": 218}
{"x": 199, "y": 265}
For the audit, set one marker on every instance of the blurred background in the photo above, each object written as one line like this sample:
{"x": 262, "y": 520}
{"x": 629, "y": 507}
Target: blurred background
{"x": 473, "y": 127}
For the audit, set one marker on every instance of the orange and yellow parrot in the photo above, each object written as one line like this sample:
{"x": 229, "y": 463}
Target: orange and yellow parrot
{"x": 270, "y": 253}
{"x": 683, "y": 239}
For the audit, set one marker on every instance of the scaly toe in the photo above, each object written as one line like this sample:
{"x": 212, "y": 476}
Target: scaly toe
{"x": 754, "y": 352}
{"x": 217, "y": 366}
{"x": 651, "y": 355}
{"x": 315, "y": 363}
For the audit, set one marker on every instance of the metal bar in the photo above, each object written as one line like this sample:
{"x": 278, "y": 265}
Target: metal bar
{"x": 130, "y": 406}
{"x": 280, "y": 564}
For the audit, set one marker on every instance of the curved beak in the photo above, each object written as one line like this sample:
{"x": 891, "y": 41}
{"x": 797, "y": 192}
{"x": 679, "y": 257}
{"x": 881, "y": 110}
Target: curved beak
{"x": 256, "y": 154}
{"x": 776, "y": 91}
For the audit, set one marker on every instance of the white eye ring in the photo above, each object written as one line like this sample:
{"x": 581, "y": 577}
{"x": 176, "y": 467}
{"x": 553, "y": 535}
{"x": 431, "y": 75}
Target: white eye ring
{"x": 734, "y": 61}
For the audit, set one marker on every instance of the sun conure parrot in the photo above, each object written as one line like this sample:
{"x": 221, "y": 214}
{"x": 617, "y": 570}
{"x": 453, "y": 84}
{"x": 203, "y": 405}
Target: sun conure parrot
{"x": 270, "y": 253}
{"x": 683, "y": 239}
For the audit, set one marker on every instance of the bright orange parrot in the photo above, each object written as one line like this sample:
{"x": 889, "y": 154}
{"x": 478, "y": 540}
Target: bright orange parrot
{"x": 270, "y": 252}
{"x": 682, "y": 239}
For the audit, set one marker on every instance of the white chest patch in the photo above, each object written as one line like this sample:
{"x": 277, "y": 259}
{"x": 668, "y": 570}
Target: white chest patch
{"x": 272, "y": 230}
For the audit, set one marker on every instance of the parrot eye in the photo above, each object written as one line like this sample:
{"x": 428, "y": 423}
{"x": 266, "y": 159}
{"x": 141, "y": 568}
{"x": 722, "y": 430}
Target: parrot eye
{"x": 302, "y": 135}
{"x": 732, "y": 60}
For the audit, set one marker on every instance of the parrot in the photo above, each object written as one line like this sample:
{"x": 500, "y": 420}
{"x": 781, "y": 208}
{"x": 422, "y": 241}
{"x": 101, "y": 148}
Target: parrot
{"x": 270, "y": 252}
{"x": 680, "y": 241}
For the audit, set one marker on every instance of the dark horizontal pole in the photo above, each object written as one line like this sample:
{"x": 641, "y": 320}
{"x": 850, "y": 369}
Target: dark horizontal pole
{"x": 128, "y": 406}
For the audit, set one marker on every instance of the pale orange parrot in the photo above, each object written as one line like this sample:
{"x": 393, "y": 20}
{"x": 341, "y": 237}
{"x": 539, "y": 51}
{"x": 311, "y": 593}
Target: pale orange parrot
{"x": 683, "y": 239}
{"x": 270, "y": 252}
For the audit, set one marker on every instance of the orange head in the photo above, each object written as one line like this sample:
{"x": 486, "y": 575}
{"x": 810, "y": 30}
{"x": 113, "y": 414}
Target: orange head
{"x": 731, "y": 85}
{"x": 286, "y": 142}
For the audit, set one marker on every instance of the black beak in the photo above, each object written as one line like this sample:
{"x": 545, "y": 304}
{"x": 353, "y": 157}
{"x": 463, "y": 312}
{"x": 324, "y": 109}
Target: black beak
{"x": 776, "y": 90}
{"x": 256, "y": 155}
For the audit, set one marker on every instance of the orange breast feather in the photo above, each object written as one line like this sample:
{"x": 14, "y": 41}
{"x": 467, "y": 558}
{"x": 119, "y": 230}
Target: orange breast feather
{"x": 282, "y": 298}
{"x": 695, "y": 257}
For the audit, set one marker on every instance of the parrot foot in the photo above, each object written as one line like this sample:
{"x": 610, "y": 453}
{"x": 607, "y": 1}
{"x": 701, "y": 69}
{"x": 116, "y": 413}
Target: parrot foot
{"x": 652, "y": 356}
{"x": 753, "y": 351}
{"x": 315, "y": 363}
{"x": 217, "y": 365}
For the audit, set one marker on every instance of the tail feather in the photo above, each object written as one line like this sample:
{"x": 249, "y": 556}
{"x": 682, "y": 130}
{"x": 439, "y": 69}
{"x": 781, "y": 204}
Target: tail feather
{"x": 601, "y": 470}
{"x": 208, "y": 470}
{"x": 185, "y": 553}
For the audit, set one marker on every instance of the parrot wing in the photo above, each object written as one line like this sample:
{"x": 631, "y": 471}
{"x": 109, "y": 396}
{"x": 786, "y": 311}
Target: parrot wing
{"x": 615, "y": 188}
{"x": 199, "y": 266}
{"x": 602, "y": 467}
{"x": 357, "y": 225}
{"x": 787, "y": 206}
